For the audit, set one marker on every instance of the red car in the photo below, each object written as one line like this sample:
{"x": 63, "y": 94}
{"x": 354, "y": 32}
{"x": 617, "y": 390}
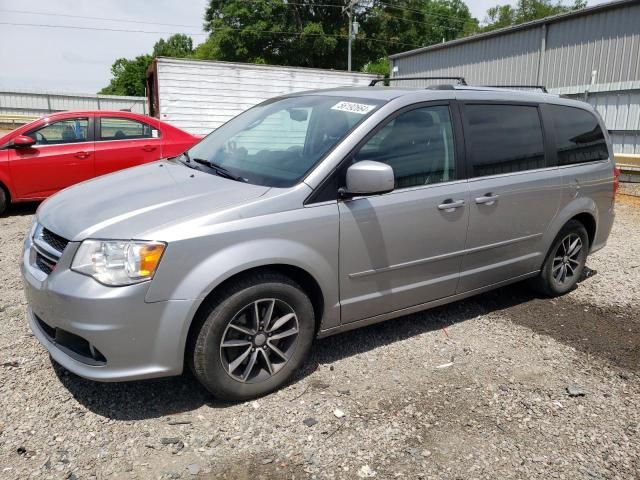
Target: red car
{"x": 59, "y": 150}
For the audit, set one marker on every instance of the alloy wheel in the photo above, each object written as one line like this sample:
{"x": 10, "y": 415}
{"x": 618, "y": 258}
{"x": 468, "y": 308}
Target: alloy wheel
{"x": 567, "y": 259}
{"x": 259, "y": 340}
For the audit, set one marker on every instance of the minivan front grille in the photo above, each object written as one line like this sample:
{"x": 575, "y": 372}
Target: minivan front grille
{"x": 48, "y": 248}
{"x": 55, "y": 241}
{"x": 44, "y": 264}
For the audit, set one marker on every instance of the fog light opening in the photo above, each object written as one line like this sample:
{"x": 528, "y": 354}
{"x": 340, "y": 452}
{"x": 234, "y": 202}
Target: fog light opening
{"x": 96, "y": 354}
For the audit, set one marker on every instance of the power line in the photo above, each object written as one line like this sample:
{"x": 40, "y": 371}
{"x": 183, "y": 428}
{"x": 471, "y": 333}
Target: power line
{"x": 74, "y": 27}
{"x": 260, "y": 32}
{"x": 451, "y": 17}
{"x": 396, "y": 7}
{"x": 388, "y": 15}
{"x": 46, "y": 14}
{"x": 244, "y": 30}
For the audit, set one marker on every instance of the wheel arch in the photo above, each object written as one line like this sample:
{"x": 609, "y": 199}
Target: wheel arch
{"x": 583, "y": 209}
{"x": 307, "y": 282}
{"x": 588, "y": 220}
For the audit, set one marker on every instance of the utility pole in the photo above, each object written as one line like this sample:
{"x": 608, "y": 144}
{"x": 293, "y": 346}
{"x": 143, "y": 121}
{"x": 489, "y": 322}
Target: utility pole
{"x": 348, "y": 8}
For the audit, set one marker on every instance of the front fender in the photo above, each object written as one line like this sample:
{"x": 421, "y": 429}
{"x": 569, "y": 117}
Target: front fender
{"x": 5, "y": 177}
{"x": 257, "y": 253}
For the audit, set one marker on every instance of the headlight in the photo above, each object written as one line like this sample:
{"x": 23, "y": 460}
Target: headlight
{"x": 118, "y": 262}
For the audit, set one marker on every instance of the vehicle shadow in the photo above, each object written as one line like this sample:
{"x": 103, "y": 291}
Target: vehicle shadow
{"x": 170, "y": 396}
{"x": 20, "y": 209}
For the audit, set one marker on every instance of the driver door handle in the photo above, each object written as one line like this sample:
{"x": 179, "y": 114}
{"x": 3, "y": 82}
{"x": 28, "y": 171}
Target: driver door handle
{"x": 82, "y": 154}
{"x": 449, "y": 205}
{"x": 488, "y": 199}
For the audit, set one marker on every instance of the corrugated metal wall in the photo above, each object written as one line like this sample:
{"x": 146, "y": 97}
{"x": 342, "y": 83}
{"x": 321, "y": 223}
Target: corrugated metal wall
{"x": 607, "y": 41}
{"x": 621, "y": 113}
{"x": 560, "y": 53}
{"x": 41, "y": 103}
{"x": 482, "y": 63}
{"x": 199, "y": 96}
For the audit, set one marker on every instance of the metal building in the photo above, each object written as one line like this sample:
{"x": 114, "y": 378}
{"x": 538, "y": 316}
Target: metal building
{"x": 18, "y": 107}
{"x": 593, "y": 53}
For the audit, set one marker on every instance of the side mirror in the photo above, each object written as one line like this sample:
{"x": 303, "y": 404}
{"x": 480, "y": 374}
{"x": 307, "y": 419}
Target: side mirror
{"x": 298, "y": 115}
{"x": 23, "y": 141}
{"x": 368, "y": 178}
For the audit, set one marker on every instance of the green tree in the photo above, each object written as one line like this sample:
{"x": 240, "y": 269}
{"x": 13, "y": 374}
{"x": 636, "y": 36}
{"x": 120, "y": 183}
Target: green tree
{"x": 393, "y": 26}
{"x": 525, "y": 11}
{"x": 129, "y": 76}
{"x": 378, "y": 67}
{"x": 313, "y": 33}
{"x": 176, "y": 46}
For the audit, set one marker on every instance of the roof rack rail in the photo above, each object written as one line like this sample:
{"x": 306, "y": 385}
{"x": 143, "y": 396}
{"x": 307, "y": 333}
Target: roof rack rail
{"x": 516, "y": 87}
{"x": 460, "y": 80}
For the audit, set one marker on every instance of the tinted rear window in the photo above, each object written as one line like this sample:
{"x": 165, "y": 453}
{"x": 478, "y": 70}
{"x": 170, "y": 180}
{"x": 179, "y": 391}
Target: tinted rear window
{"x": 579, "y": 137}
{"x": 504, "y": 139}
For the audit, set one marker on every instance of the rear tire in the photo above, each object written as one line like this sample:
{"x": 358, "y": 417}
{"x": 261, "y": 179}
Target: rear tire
{"x": 565, "y": 261}
{"x": 255, "y": 334}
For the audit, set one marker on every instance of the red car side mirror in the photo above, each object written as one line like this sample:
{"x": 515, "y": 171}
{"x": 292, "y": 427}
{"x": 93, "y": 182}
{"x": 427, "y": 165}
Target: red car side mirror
{"x": 23, "y": 141}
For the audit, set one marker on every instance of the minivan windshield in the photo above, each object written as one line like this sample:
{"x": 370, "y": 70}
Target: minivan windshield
{"x": 278, "y": 141}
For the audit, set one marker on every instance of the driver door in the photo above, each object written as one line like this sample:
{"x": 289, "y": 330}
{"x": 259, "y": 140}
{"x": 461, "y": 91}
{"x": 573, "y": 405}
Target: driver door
{"x": 62, "y": 156}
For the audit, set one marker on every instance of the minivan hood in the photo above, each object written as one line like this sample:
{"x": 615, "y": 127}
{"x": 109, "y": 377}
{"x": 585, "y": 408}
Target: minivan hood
{"x": 129, "y": 203}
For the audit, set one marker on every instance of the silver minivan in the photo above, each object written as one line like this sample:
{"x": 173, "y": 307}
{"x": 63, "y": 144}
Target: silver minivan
{"x": 311, "y": 214}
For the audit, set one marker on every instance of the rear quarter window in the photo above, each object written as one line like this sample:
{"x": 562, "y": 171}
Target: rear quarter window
{"x": 112, "y": 128}
{"x": 579, "y": 138}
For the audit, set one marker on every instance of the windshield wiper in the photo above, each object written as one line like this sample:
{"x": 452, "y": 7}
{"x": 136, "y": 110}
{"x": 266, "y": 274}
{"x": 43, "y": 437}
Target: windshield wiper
{"x": 219, "y": 169}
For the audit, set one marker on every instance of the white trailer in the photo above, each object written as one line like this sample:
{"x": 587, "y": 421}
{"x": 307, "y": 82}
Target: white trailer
{"x": 200, "y": 95}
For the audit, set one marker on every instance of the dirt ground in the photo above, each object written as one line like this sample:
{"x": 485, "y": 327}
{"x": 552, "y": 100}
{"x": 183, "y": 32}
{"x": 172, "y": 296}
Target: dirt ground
{"x": 502, "y": 385}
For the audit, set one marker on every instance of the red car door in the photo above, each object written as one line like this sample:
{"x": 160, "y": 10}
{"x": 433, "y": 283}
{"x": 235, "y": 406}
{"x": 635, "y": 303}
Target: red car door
{"x": 62, "y": 156}
{"x": 123, "y": 142}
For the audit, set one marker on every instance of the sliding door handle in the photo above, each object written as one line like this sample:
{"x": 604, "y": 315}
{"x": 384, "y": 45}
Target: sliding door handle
{"x": 488, "y": 199}
{"x": 450, "y": 205}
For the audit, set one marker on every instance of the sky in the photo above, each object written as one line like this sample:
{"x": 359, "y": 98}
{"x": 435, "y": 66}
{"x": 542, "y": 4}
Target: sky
{"x": 78, "y": 60}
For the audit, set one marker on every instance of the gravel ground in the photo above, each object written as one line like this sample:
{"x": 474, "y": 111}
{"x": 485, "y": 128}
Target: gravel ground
{"x": 503, "y": 385}
{"x": 630, "y": 189}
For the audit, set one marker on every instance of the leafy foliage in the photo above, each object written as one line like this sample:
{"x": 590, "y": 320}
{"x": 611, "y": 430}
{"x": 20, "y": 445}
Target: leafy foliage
{"x": 176, "y": 46}
{"x": 379, "y": 67}
{"x": 525, "y": 11}
{"x": 313, "y": 33}
{"x": 129, "y": 76}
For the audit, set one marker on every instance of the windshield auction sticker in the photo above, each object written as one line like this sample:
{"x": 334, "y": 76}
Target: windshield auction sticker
{"x": 351, "y": 107}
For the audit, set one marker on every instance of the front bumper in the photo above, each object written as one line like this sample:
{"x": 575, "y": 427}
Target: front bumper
{"x": 133, "y": 339}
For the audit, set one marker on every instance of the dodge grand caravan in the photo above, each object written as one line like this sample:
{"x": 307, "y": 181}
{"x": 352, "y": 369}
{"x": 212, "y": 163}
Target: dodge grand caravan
{"x": 312, "y": 214}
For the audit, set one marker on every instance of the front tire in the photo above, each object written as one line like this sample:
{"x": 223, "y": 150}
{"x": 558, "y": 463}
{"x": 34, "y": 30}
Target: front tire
{"x": 255, "y": 334}
{"x": 565, "y": 261}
